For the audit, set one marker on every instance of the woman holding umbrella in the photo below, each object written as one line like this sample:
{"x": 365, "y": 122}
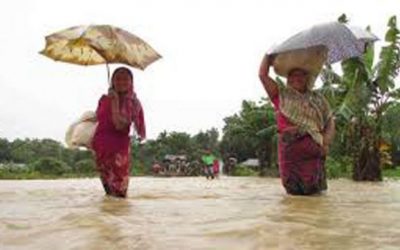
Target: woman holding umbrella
{"x": 111, "y": 143}
{"x": 105, "y": 44}
{"x": 305, "y": 126}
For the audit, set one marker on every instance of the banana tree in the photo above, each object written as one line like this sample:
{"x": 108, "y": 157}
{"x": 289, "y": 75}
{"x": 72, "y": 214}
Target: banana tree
{"x": 360, "y": 97}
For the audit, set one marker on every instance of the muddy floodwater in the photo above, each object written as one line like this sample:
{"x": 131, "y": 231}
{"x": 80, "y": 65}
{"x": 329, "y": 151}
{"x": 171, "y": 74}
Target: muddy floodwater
{"x": 193, "y": 213}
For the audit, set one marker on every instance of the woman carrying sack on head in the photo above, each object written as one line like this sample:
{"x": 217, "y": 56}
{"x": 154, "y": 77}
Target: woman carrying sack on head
{"x": 305, "y": 126}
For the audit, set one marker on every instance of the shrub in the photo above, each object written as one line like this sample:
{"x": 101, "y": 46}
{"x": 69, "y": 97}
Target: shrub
{"x": 85, "y": 166}
{"x": 338, "y": 168}
{"x": 240, "y": 170}
{"x": 50, "y": 166}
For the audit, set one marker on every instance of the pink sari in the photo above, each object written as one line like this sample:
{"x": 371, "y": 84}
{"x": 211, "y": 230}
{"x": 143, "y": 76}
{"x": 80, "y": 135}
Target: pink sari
{"x": 216, "y": 167}
{"x": 112, "y": 146}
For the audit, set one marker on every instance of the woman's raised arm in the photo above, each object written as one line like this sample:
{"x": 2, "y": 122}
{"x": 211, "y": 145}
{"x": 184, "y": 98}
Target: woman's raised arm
{"x": 269, "y": 84}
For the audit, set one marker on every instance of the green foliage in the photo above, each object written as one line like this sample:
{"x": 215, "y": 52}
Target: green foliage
{"x": 176, "y": 142}
{"x": 4, "y": 150}
{"x": 343, "y": 19}
{"x": 30, "y": 151}
{"x": 338, "y": 168}
{"x": 360, "y": 97}
{"x": 27, "y": 151}
{"x": 251, "y": 133}
{"x": 50, "y": 166}
{"x": 21, "y": 151}
{"x": 207, "y": 139}
{"x": 388, "y": 67}
{"x": 172, "y": 143}
{"x": 393, "y": 173}
{"x": 390, "y": 126}
{"x": 14, "y": 168}
{"x": 85, "y": 166}
{"x": 49, "y": 158}
{"x": 139, "y": 169}
{"x": 73, "y": 156}
{"x": 21, "y": 174}
{"x": 369, "y": 56}
{"x": 244, "y": 171}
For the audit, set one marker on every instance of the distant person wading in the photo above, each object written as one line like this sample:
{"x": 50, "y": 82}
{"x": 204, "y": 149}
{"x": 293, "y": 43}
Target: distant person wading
{"x": 208, "y": 161}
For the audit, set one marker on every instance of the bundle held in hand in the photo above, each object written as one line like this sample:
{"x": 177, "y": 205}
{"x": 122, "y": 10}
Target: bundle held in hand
{"x": 81, "y": 132}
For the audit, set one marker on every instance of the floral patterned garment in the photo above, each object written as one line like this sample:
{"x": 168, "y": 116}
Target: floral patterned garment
{"x": 112, "y": 149}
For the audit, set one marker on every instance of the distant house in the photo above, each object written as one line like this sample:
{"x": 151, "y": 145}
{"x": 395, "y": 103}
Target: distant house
{"x": 175, "y": 157}
{"x": 252, "y": 163}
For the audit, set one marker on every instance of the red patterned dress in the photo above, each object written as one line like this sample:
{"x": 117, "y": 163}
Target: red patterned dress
{"x": 112, "y": 146}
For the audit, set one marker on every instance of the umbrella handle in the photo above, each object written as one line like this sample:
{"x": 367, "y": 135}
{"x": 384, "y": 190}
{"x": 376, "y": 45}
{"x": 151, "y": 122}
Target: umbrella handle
{"x": 108, "y": 74}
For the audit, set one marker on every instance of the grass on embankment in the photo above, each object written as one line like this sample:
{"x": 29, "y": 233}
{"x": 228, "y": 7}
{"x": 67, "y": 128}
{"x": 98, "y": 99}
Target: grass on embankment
{"x": 393, "y": 173}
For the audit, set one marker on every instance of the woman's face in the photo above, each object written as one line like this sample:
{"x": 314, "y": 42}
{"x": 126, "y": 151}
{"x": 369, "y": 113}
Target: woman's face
{"x": 297, "y": 79}
{"x": 122, "y": 81}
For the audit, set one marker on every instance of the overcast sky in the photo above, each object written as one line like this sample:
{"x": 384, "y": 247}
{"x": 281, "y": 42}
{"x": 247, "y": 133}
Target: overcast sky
{"x": 211, "y": 52}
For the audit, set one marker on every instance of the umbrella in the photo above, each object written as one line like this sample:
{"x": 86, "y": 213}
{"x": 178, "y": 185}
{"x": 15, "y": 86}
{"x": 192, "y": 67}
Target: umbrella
{"x": 324, "y": 43}
{"x": 99, "y": 44}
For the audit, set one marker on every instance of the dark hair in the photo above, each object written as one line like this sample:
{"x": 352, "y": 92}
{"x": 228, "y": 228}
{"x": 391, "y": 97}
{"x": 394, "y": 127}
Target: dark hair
{"x": 298, "y": 69}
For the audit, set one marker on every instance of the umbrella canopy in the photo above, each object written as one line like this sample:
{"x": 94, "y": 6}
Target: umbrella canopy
{"x": 327, "y": 43}
{"x": 99, "y": 44}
